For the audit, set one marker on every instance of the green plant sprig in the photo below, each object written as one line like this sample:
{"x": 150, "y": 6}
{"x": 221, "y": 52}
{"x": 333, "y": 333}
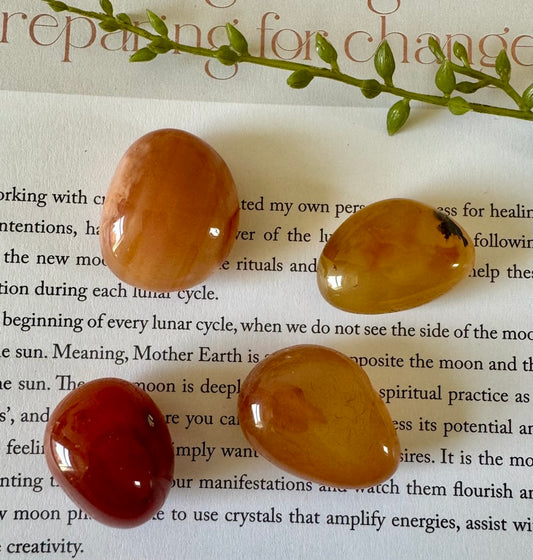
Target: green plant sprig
{"x": 452, "y": 92}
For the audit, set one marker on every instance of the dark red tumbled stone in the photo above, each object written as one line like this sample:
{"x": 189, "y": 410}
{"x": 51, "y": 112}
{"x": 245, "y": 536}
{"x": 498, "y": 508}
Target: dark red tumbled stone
{"x": 108, "y": 446}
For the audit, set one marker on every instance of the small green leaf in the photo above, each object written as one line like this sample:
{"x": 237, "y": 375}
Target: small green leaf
{"x": 107, "y": 7}
{"x": 458, "y": 106}
{"x": 460, "y": 52}
{"x": 436, "y": 49}
{"x": 160, "y": 45}
{"x": 109, "y": 25}
{"x": 124, "y": 18}
{"x": 527, "y": 98}
{"x": 157, "y": 23}
{"x": 397, "y": 116}
{"x": 469, "y": 87}
{"x": 371, "y": 88}
{"x": 57, "y": 6}
{"x": 143, "y": 55}
{"x": 300, "y": 79}
{"x": 225, "y": 55}
{"x": 445, "y": 77}
{"x": 384, "y": 62}
{"x": 237, "y": 40}
{"x": 326, "y": 51}
{"x": 503, "y": 66}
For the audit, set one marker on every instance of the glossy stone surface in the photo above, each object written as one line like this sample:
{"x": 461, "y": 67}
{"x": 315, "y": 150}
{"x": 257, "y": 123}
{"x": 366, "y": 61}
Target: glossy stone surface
{"x": 109, "y": 448}
{"x": 171, "y": 212}
{"x": 312, "y": 411}
{"x": 393, "y": 255}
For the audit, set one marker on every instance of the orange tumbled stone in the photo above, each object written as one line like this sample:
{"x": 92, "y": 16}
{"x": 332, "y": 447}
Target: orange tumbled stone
{"x": 171, "y": 212}
{"x": 312, "y": 411}
{"x": 393, "y": 255}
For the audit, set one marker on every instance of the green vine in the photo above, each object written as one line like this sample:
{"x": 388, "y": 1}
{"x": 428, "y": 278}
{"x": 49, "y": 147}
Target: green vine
{"x": 453, "y": 93}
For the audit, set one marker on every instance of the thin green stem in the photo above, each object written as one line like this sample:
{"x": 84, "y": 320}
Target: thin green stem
{"x": 141, "y": 32}
{"x": 489, "y": 80}
{"x": 439, "y": 100}
{"x": 384, "y": 65}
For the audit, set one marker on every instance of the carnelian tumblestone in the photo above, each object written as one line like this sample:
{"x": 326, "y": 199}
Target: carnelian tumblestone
{"x": 109, "y": 448}
{"x": 312, "y": 411}
{"x": 171, "y": 212}
{"x": 393, "y": 255}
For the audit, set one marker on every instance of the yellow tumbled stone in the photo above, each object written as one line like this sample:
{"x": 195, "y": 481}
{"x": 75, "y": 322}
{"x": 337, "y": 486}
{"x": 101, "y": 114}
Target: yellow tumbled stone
{"x": 313, "y": 412}
{"x": 393, "y": 255}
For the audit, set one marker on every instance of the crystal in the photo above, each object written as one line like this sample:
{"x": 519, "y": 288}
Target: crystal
{"x": 171, "y": 212}
{"x": 108, "y": 446}
{"x": 393, "y": 255}
{"x": 313, "y": 412}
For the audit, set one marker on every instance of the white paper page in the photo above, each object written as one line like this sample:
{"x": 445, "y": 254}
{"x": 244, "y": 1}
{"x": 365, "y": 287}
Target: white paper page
{"x": 66, "y": 146}
{"x": 326, "y": 156}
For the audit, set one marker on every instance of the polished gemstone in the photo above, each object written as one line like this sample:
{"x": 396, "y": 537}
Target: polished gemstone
{"x": 109, "y": 448}
{"x": 171, "y": 212}
{"x": 393, "y": 255}
{"x": 312, "y": 411}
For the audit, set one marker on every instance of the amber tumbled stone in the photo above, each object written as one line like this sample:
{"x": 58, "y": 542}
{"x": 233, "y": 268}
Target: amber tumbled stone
{"x": 171, "y": 212}
{"x": 313, "y": 412}
{"x": 109, "y": 448}
{"x": 393, "y": 255}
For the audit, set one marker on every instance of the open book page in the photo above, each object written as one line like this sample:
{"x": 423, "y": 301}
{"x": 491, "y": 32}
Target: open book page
{"x": 454, "y": 373}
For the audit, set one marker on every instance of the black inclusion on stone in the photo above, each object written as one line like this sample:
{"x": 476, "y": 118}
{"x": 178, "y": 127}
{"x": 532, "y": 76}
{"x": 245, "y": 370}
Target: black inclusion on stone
{"x": 448, "y": 227}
